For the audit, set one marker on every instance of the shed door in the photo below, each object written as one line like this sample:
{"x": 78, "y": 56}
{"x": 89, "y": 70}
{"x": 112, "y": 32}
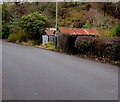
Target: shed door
{"x": 44, "y": 39}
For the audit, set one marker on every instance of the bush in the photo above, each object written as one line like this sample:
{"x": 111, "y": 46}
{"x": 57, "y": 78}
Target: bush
{"x": 114, "y": 32}
{"x": 106, "y": 33}
{"x": 6, "y": 20}
{"x": 87, "y": 45}
{"x": 107, "y": 47}
{"x": 12, "y": 38}
{"x": 34, "y": 24}
{"x": 63, "y": 41}
{"x": 84, "y": 44}
{"x": 87, "y": 25}
{"x": 112, "y": 48}
{"x": 100, "y": 47}
{"x": 116, "y": 29}
{"x": 18, "y": 36}
{"x": 66, "y": 43}
{"x": 5, "y": 30}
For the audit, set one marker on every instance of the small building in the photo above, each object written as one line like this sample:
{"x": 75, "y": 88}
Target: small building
{"x": 48, "y": 36}
{"x": 74, "y": 32}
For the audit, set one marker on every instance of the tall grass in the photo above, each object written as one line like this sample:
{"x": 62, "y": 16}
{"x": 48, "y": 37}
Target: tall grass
{"x": 18, "y": 36}
{"x": 105, "y": 33}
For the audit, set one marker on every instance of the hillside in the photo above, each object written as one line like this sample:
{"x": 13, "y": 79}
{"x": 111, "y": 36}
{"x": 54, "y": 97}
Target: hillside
{"x": 72, "y": 14}
{"x": 77, "y": 15}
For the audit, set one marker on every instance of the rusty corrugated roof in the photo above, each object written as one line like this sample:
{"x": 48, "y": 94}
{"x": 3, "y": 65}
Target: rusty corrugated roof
{"x": 67, "y": 30}
{"x": 79, "y": 31}
{"x": 91, "y": 31}
{"x": 49, "y": 32}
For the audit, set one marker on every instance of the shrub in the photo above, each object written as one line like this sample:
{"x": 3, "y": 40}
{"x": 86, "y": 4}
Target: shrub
{"x": 18, "y": 36}
{"x": 114, "y": 32}
{"x": 105, "y": 33}
{"x": 12, "y": 38}
{"x": 116, "y": 29}
{"x": 5, "y": 30}
{"x": 112, "y": 48}
{"x": 34, "y": 24}
{"x": 66, "y": 43}
{"x": 6, "y": 20}
{"x": 87, "y": 25}
{"x": 63, "y": 41}
{"x": 107, "y": 47}
{"x": 84, "y": 44}
{"x": 100, "y": 47}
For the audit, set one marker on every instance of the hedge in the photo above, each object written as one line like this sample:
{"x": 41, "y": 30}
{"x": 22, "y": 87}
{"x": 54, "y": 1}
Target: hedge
{"x": 87, "y": 45}
{"x": 101, "y": 47}
{"x": 107, "y": 47}
{"x": 66, "y": 42}
{"x": 84, "y": 44}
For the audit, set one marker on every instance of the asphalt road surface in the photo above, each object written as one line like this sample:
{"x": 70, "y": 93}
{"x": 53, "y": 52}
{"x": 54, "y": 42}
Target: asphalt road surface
{"x": 35, "y": 74}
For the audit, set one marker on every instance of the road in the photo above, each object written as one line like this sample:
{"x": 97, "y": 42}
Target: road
{"x": 35, "y": 74}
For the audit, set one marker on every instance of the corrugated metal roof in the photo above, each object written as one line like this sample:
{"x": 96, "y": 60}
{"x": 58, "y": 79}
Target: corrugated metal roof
{"x": 49, "y": 32}
{"x": 79, "y": 31}
{"x": 67, "y": 30}
{"x": 91, "y": 31}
